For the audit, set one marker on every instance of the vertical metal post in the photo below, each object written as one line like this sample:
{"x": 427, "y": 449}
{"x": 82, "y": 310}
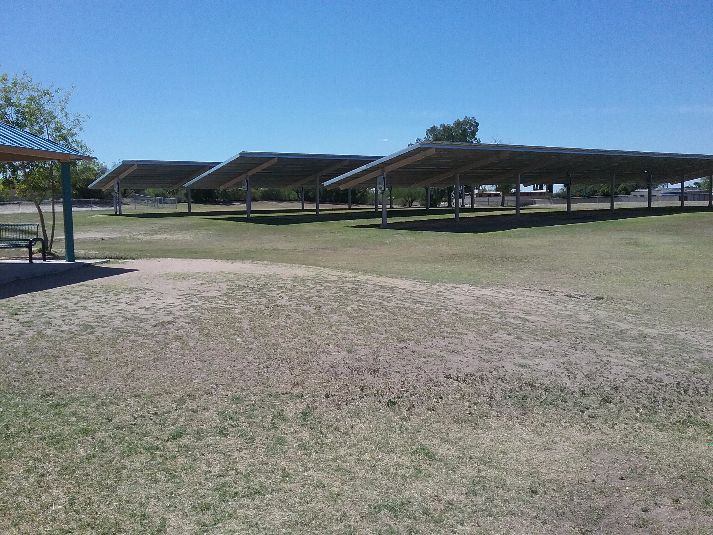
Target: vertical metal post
{"x": 67, "y": 211}
{"x": 612, "y": 185}
{"x": 190, "y": 201}
{"x": 517, "y": 194}
{"x": 428, "y": 197}
{"x": 568, "y": 185}
{"x": 384, "y": 214}
{"x": 376, "y": 195}
{"x": 456, "y": 204}
{"x": 649, "y": 190}
{"x": 248, "y": 198}
{"x": 302, "y": 197}
{"x": 115, "y": 196}
{"x": 710, "y": 191}
{"x": 472, "y": 197}
{"x": 316, "y": 196}
{"x": 120, "y": 199}
{"x": 349, "y": 198}
{"x": 683, "y": 192}
{"x": 391, "y": 197}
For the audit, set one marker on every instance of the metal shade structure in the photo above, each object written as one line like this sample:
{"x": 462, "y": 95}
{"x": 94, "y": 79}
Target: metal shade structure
{"x": 437, "y": 164}
{"x": 142, "y": 174}
{"x": 278, "y": 170}
{"x": 19, "y": 146}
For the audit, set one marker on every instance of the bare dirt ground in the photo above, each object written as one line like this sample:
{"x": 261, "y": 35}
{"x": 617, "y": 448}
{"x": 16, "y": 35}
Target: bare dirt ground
{"x": 213, "y": 396}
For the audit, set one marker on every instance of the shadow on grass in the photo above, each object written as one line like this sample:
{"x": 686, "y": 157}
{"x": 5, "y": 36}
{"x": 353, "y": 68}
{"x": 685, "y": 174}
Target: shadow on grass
{"x": 49, "y": 281}
{"x": 500, "y": 222}
{"x": 268, "y": 217}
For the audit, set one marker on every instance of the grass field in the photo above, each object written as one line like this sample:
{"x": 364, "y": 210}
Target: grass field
{"x": 540, "y": 375}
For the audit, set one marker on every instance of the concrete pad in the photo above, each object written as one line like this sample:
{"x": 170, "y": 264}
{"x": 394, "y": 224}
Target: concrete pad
{"x": 17, "y": 270}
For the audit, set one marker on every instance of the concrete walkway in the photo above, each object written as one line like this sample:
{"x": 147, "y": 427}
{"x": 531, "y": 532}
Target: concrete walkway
{"x": 17, "y": 270}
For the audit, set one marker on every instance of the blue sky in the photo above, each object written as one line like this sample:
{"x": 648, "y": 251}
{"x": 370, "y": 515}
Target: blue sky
{"x": 205, "y": 80}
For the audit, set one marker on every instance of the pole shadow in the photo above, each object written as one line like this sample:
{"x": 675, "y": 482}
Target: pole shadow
{"x": 57, "y": 280}
{"x": 267, "y": 217}
{"x": 501, "y": 222}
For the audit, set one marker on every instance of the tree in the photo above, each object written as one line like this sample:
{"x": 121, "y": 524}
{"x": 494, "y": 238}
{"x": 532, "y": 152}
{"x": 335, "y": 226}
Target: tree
{"x": 43, "y": 111}
{"x": 463, "y": 130}
{"x": 704, "y": 183}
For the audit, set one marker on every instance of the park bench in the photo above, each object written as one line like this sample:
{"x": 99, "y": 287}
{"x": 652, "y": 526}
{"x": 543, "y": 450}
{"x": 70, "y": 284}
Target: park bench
{"x": 22, "y": 236}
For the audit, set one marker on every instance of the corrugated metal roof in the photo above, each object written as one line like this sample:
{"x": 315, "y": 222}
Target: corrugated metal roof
{"x": 278, "y": 169}
{"x": 432, "y": 164}
{"x": 142, "y": 174}
{"x": 16, "y": 143}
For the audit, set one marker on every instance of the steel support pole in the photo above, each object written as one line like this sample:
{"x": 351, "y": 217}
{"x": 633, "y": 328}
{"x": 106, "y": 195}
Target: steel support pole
{"x": 456, "y": 204}
{"x": 302, "y": 197}
{"x": 384, "y": 214}
{"x": 683, "y": 193}
{"x": 428, "y": 197}
{"x": 190, "y": 201}
{"x": 649, "y": 191}
{"x": 472, "y": 197}
{"x": 121, "y": 198}
{"x": 316, "y": 196}
{"x": 612, "y": 185}
{"x": 517, "y": 194}
{"x": 66, "y": 174}
{"x": 248, "y": 198}
{"x": 116, "y": 197}
{"x": 710, "y": 191}
{"x": 568, "y": 185}
{"x": 391, "y": 197}
{"x": 376, "y": 195}
{"x": 349, "y": 198}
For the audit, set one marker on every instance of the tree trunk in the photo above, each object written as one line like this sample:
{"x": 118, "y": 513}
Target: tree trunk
{"x": 42, "y": 221}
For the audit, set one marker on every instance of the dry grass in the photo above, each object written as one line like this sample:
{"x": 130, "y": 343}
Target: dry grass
{"x": 198, "y": 396}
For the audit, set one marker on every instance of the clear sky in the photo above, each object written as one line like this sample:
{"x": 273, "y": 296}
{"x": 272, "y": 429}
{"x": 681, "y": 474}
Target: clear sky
{"x": 205, "y": 80}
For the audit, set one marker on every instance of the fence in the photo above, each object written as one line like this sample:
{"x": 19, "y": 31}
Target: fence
{"x": 153, "y": 202}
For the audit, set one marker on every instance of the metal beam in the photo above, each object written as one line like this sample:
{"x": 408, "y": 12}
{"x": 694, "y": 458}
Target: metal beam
{"x": 331, "y": 169}
{"x": 683, "y": 192}
{"x": 457, "y": 200}
{"x": 463, "y": 169}
{"x": 254, "y": 170}
{"x": 384, "y": 213}
{"x": 66, "y": 174}
{"x": 518, "y": 184}
{"x": 391, "y": 167}
{"x": 612, "y": 185}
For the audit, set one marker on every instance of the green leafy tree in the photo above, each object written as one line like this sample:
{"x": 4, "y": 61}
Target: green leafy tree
{"x": 463, "y": 130}
{"x": 704, "y": 183}
{"x": 43, "y": 111}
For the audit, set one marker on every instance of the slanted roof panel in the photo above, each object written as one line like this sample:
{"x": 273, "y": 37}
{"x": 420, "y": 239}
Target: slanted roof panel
{"x": 432, "y": 164}
{"x": 142, "y": 174}
{"x": 18, "y": 145}
{"x": 277, "y": 169}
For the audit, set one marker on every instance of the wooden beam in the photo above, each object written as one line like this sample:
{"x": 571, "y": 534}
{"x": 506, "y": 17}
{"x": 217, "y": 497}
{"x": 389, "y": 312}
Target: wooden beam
{"x": 254, "y": 170}
{"x": 388, "y": 167}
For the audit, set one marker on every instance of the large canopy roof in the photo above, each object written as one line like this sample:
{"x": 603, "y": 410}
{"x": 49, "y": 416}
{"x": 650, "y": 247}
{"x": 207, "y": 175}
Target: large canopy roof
{"x": 433, "y": 164}
{"x": 142, "y": 174}
{"x": 19, "y": 146}
{"x": 277, "y": 169}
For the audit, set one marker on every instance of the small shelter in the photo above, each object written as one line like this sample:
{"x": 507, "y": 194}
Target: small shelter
{"x": 19, "y": 146}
